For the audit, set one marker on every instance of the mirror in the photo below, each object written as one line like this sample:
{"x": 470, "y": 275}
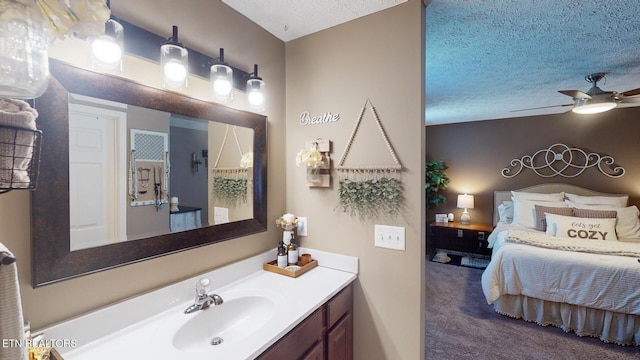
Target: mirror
{"x": 52, "y": 259}
{"x": 118, "y": 190}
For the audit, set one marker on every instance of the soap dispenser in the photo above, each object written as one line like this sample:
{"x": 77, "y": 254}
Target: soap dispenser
{"x": 292, "y": 252}
{"x": 282, "y": 255}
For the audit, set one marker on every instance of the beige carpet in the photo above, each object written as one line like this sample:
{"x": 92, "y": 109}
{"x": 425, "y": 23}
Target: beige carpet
{"x": 461, "y": 325}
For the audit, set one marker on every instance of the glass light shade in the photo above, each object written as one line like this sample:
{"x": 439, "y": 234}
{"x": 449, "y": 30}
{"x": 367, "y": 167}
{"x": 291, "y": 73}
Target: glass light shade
{"x": 222, "y": 82}
{"x": 174, "y": 61}
{"x": 255, "y": 93}
{"x": 593, "y": 106}
{"x": 107, "y": 49}
{"x": 24, "y": 41}
{"x": 465, "y": 201}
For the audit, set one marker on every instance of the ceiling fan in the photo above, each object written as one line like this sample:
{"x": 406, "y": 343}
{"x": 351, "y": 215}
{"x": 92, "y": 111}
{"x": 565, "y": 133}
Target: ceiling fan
{"x": 595, "y": 100}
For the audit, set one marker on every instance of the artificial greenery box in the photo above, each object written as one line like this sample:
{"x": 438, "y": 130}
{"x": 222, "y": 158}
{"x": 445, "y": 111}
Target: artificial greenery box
{"x": 370, "y": 198}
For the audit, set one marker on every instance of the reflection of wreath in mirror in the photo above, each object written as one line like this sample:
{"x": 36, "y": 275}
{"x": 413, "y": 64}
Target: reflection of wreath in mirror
{"x": 370, "y": 191}
{"x": 230, "y": 185}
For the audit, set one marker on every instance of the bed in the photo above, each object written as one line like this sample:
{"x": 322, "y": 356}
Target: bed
{"x": 579, "y": 272}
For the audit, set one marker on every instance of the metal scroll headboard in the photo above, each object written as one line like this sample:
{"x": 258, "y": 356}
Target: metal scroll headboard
{"x": 565, "y": 161}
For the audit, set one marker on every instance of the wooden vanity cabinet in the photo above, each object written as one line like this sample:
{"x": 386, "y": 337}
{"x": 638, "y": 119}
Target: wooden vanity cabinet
{"x": 327, "y": 334}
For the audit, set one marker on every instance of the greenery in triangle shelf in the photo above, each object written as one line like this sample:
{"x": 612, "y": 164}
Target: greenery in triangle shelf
{"x": 435, "y": 180}
{"x": 371, "y": 198}
{"x": 231, "y": 192}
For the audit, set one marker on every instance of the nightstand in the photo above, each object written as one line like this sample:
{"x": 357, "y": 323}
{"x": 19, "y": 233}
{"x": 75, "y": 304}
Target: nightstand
{"x": 457, "y": 237}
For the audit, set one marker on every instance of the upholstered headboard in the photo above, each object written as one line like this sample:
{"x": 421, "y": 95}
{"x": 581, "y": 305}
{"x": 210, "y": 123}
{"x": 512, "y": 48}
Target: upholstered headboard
{"x": 505, "y": 195}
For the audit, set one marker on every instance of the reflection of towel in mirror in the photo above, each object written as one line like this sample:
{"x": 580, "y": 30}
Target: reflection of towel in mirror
{"x": 11, "y": 319}
{"x": 16, "y": 146}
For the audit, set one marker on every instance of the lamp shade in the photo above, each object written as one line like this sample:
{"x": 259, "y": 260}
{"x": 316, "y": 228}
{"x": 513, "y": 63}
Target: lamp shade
{"x": 465, "y": 201}
{"x": 593, "y": 106}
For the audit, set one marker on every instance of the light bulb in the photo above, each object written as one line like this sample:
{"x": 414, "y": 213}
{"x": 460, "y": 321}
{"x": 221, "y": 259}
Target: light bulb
{"x": 222, "y": 87}
{"x": 256, "y": 98}
{"x": 106, "y": 51}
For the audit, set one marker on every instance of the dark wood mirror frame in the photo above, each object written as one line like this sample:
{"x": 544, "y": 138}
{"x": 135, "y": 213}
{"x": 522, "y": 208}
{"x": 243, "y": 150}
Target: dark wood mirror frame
{"x": 52, "y": 261}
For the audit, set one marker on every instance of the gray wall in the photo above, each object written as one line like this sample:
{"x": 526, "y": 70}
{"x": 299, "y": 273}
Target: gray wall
{"x": 190, "y": 187}
{"x": 476, "y": 152}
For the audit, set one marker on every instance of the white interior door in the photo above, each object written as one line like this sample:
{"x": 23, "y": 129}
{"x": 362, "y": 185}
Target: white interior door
{"x": 97, "y": 205}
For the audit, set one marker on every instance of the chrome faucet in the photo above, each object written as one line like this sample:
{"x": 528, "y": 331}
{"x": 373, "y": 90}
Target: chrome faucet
{"x": 203, "y": 299}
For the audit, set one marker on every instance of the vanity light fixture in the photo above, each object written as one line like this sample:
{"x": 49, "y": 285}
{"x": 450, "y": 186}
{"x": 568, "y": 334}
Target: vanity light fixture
{"x": 255, "y": 90}
{"x": 174, "y": 61}
{"x": 107, "y": 49}
{"x": 221, "y": 77}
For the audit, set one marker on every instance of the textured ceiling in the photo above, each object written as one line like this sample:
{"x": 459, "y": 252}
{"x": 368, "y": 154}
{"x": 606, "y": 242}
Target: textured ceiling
{"x": 291, "y": 19}
{"x": 486, "y": 58}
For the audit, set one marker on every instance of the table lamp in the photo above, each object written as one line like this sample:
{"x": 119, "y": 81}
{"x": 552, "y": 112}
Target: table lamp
{"x": 465, "y": 202}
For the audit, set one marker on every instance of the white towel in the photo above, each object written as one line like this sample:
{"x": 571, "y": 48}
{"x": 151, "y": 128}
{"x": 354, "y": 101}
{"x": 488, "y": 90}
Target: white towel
{"x": 14, "y": 346}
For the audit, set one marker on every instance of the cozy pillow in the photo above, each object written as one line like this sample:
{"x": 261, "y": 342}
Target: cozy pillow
{"x": 524, "y": 210}
{"x": 617, "y": 201}
{"x": 505, "y": 211}
{"x": 581, "y": 228}
{"x": 628, "y": 223}
{"x": 522, "y": 195}
{"x": 594, "y": 214}
{"x": 541, "y": 221}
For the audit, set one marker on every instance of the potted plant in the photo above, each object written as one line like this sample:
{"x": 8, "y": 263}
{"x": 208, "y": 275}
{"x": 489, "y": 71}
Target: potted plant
{"x": 436, "y": 180}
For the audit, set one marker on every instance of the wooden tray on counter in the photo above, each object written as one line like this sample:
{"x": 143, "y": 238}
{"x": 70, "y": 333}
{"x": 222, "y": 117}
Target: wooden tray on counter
{"x": 271, "y": 266}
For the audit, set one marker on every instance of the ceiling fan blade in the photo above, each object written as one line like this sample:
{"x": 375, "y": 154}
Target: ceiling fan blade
{"x": 576, "y": 94}
{"x": 630, "y": 100}
{"x": 631, "y": 92}
{"x": 542, "y": 107}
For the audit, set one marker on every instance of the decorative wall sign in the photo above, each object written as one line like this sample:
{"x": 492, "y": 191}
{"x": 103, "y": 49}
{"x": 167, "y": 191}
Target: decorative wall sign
{"x": 565, "y": 161}
{"x": 327, "y": 117}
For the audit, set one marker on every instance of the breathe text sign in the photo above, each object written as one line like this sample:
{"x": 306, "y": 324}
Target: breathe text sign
{"x": 327, "y": 117}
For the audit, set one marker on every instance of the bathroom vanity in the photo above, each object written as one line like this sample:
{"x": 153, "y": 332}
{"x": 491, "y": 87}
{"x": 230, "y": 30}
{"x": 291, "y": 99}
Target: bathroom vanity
{"x": 264, "y": 315}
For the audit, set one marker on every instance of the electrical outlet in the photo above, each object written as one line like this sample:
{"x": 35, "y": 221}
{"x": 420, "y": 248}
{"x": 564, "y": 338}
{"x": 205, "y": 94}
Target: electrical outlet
{"x": 302, "y": 226}
{"x": 390, "y": 237}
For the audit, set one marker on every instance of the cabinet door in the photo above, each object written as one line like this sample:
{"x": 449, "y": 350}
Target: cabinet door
{"x": 317, "y": 353}
{"x": 299, "y": 340}
{"x": 340, "y": 340}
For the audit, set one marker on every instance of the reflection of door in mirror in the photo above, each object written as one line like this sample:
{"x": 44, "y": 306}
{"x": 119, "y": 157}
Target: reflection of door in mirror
{"x": 97, "y": 164}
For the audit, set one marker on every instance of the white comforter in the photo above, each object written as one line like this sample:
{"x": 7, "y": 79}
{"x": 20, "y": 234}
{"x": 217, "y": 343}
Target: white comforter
{"x": 606, "y": 282}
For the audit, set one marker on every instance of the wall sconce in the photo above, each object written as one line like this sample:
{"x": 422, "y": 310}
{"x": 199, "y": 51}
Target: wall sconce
{"x": 174, "y": 60}
{"x": 107, "y": 49}
{"x": 255, "y": 90}
{"x": 315, "y": 158}
{"x": 195, "y": 162}
{"x": 221, "y": 77}
{"x": 465, "y": 202}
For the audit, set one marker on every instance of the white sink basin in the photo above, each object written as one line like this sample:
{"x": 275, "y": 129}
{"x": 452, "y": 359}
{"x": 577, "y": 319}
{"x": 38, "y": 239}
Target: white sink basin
{"x": 234, "y": 321}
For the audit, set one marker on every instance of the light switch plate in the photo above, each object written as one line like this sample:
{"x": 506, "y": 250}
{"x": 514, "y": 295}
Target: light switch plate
{"x": 302, "y": 226}
{"x": 390, "y": 237}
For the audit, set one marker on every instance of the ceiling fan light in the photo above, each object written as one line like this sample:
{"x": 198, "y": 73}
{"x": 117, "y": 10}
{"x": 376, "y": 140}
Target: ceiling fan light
{"x": 587, "y": 106}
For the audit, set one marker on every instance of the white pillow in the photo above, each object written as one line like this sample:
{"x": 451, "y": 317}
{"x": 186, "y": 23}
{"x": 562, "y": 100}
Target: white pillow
{"x": 524, "y": 211}
{"x": 505, "y": 211}
{"x": 618, "y": 201}
{"x": 628, "y": 223}
{"x": 581, "y": 228}
{"x": 522, "y": 195}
